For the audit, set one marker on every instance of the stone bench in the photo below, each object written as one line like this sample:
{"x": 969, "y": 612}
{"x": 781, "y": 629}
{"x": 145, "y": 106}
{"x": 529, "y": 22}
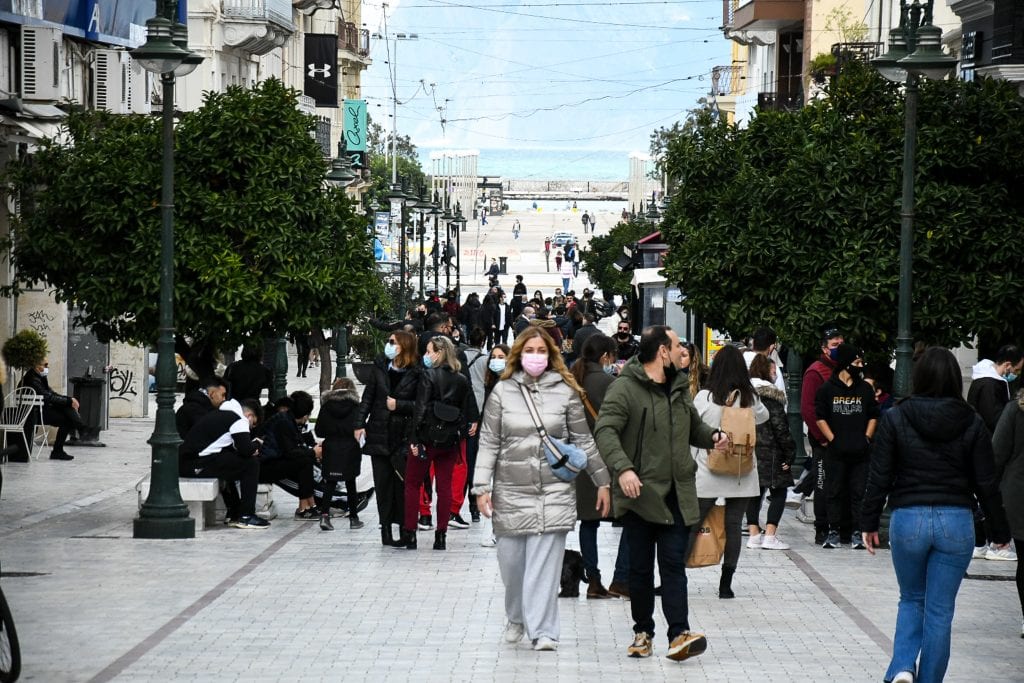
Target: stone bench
{"x": 199, "y": 494}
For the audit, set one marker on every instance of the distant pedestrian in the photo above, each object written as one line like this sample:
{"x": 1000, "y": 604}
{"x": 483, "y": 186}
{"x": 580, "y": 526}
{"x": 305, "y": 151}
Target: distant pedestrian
{"x": 576, "y": 260}
{"x": 483, "y": 216}
{"x": 336, "y": 425}
{"x": 515, "y": 229}
{"x": 547, "y": 253}
{"x": 931, "y": 460}
{"x": 558, "y": 262}
{"x": 566, "y": 274}
{"x": 586, "y": 222}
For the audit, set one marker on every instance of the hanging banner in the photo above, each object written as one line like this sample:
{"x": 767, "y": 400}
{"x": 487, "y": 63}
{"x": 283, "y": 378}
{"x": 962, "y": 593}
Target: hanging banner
{"x": 321, "y": 79}
{"x": 355, "y": 132}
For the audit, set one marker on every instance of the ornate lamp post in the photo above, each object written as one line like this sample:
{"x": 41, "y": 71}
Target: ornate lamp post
{"x": 447, "y": 218}
{"x": 164, "y": 514}
{"x": 422, "y": 208}
{"x": 460, "y": 225}
{"x": 435, "y": 213}
{"x": 915, "y": 51}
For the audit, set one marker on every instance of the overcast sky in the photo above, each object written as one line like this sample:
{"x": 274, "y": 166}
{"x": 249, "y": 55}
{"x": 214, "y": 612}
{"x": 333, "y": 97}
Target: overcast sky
{"x": 568, "y": 74}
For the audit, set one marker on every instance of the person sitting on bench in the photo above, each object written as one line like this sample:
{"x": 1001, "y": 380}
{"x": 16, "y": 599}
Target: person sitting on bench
{"x": 59, "y": 411}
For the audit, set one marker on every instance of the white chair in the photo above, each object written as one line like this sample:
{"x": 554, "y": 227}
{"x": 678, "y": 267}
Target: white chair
{"x": 18, "y": 405}
{"x": 41, "y": 432}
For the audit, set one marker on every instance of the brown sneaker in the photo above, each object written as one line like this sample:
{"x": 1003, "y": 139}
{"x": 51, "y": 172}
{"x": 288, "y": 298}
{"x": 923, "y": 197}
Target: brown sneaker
{"x": 641, "y": 646}
{"x": 687, "y": 645}
{"x": 595, "y": 591}
{"x": 618, "y": 590}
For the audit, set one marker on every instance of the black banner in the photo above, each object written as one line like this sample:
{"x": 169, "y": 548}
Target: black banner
{"x": 321, "y": 68}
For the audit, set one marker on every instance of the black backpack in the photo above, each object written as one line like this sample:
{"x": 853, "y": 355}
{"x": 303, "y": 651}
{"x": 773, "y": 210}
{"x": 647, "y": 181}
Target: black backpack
{"x": 442, "y": 423}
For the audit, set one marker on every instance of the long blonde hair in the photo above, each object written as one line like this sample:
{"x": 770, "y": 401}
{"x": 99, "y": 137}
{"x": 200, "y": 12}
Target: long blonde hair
{"x": 445, "y": 347}
{"x": 555, "y": 362}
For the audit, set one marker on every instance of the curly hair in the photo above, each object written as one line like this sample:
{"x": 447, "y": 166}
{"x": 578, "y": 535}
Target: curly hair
{"x": 555, "y": 362}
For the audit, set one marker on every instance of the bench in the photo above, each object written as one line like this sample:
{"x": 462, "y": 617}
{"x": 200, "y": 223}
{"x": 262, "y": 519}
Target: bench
{"x": 199, "y": 494}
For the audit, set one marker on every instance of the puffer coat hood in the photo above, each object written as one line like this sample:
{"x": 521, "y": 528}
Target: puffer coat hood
{"x": 941, "y": 420}
{"x": 339, "y": 395}
{"x": 775, "y": 447}
{"x": 527, "y": 497}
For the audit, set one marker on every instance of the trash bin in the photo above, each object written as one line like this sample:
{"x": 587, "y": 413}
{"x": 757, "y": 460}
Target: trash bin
{"x": 91, "y": 406}
{"x": 503, "y": 265}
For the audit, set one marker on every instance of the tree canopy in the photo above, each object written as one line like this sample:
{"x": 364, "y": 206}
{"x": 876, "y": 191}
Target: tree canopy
{"x": 794, "y": 221}
{"x": 598, "y": 258}
{"x": 261, "y": 245}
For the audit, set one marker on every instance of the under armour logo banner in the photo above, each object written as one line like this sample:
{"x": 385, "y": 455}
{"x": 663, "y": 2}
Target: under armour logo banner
{"x": 321, "y": 72}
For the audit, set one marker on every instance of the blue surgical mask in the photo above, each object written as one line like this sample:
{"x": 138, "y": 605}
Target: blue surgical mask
{"x": 834, "y": 353}
{"x": 609, "y": 369}
{"x": 497, "y": 365}
{"x": 428, "y": 362}
{"x": 390, "y": 351}
{"x": 1010, "y": 376}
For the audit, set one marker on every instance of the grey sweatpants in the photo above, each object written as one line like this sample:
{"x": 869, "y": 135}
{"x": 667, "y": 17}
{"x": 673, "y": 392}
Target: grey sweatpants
{"x": 531, "y": 569}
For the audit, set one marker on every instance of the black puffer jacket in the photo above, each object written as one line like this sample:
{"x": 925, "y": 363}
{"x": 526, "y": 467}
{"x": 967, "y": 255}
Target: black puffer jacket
{"x": 933, "y": 451}
{"x": 42, "y": 387}
{"x": 339, "y": 411}
{"x": 775, "y": 446}
{"x": 386, "y": 430}
{"x": 195, "y": 405}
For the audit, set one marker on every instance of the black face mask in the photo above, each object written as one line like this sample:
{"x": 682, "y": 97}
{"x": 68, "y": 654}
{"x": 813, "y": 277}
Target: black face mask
{"x": 856, "y": 372}
{"x": 623, "y": 335}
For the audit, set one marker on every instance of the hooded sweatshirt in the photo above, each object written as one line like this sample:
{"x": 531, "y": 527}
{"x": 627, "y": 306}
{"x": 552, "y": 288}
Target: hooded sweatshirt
{"x": 933, "y": 451}
{"x": 847, "y": 410}
{"x": 989, "y": 392}
{"x": 217, "y": 431}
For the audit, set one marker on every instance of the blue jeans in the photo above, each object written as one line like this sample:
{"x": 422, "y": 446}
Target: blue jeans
{"x": 931, "y": 549}
{"x": 565, "y": 285}
{"x": 670, "y": 542}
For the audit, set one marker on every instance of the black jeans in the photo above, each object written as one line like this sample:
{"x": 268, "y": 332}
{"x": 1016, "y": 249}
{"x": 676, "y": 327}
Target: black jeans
{"x": 776, "y": 505}
{"x": 472, "y": 447}
{"x": 350, "y": 491}
{"x": 818, "y": 454}
{"x": 388, "y": 489}
{"x": 671, "y": 542}
{"x": 298, "y": 469}
{"x": 64, "y": 418}
{"x": 846, "y": 477}
{"x": 231, "y": 467}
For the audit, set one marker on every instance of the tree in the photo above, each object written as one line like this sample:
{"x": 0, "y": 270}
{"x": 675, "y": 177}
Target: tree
{"x": 260, "y": 245}
{"x": 408, "y": 163}
{"x": 604, "y": 249}
{"x": 794, "y": 221}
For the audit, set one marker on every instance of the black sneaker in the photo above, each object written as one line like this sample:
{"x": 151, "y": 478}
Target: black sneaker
{"x": 426, "y": 523}
{"x": 857, "y": 541}
{"x": 61, "y": 456}
{"x": 457, "y": 521}
{"x": 819, "y": 536}
{"x": 325, "y": 523}
{"x": 307, "y": 515}
{"x": 250, "y": 522}
{"x": 475, "y": 516}
{"x": 355, "y": 523}
{"x": 832, "y": 540}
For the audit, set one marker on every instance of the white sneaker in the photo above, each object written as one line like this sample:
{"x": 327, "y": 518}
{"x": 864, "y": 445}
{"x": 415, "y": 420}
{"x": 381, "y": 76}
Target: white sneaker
{"x": 1006, "y": 553}
{"x": 806, "y": 512}
{"x": 980, "y": 552}
{"x": 904, "y": 677}
{"x": 489, "y": 542}
{"x": 755, "y": 541}
{"x": 545, "y": 644}
{"x": 513, "y": 632}
{"x": 794, "y": 499}
{"x": 773, "y": 543}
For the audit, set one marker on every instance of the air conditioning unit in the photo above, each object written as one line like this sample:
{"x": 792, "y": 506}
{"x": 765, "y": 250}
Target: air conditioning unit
{"x": 110, "y": 81}
{"x": 139, "y": 88}
{"x": 40, "y": 63}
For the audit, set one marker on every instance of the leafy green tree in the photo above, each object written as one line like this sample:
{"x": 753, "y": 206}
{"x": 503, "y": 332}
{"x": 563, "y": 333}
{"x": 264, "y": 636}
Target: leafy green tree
{"x": 408, "y": 163}
{"x": 794, "y": 221}
{"x": 598, "y": 258}
{"x": 261, "y": 246}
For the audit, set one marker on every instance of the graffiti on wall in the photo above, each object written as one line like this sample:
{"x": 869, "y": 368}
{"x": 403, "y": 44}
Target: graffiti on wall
{"x": 41, "y": 321}
{"x": 123, "y": 384}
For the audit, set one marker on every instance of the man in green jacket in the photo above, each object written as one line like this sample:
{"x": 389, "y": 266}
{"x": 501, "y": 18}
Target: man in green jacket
{"x": 644, "y": 432}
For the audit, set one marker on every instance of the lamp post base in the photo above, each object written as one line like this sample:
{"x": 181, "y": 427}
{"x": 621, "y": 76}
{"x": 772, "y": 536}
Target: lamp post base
{"x": 164, "y": 527}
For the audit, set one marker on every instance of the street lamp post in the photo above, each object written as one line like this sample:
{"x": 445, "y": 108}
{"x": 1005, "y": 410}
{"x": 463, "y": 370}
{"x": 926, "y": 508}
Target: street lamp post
{"x": 915, "y": 51}
{"x": 164, "y": 514}
{"x": 460, "y": 222}
{"x": 447, "y": 218}
{"x": 435, "y": 212}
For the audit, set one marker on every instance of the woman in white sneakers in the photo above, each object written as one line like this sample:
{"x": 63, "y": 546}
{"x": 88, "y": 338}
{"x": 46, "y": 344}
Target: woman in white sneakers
{"x": 775, "y": 452}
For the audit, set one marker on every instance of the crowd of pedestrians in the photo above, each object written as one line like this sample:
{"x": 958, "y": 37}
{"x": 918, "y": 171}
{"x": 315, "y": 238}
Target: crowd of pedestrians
{"x": 525, "y": 404}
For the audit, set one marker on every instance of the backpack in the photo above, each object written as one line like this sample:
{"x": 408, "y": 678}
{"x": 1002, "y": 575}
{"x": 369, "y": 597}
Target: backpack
{"x": 738, "y": 423}
{"x": 442, "y": 423}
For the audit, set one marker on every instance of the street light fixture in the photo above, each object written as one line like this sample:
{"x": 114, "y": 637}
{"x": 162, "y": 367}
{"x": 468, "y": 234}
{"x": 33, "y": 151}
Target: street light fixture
{"x": 914, "y": 52}
{"x": 435, "y": 212}
{"x": 422, "y": 208}
{"x": 460, "y": 225}
{"x": 341, "y": 174}
{"x": 164, "y": 514}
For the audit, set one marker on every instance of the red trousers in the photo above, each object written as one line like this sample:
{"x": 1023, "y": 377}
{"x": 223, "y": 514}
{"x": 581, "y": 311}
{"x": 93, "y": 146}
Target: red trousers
{"x": 416, "y": 469}
{"x": 459, "y": 476}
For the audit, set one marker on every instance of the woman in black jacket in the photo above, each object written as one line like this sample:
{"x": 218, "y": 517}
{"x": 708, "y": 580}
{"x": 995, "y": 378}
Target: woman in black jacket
{"x": 488, "y": 320}
{"x": 385, "y": 421}
{"x": 444, "y": 406}
{"x": 775, "y": 452}
{"x": 342, "y": 458}
{"x": 1008, "y": 448}
{"x": 932, "y": 456}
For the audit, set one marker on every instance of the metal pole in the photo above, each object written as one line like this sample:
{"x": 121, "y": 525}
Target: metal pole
{"x": 394, "y": 116}
{"x": 458, "y": 259}
{"x": 904, "y": 340}
{"x": 401, "y": 257}
{"x": 164, "y": 514}
{"x": 437, "y": 252}
{"x": 423, "y": 262}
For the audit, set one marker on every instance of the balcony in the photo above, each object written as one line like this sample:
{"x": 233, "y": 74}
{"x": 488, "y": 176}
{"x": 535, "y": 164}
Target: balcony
{"x": 728, "y": 80}
{"x": 767, "y": 15}
{"x": 354, "y": 43}
{"x": 855, "y": 52}
{"x": 771, "y": 101}
{"x": 257, "y": 26}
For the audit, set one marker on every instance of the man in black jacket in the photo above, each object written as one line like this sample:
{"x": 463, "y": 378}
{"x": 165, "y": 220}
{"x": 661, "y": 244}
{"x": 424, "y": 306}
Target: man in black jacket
{"x": 289, "y": 453}
{"x": 197, "y": 403}
{"x": 221, "y": 445}
{"x": 59, "y": 411}
{"x": 847, "y": 415}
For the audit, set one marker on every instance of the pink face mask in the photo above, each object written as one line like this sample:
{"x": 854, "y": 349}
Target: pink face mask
{"x": 534, "y": 363}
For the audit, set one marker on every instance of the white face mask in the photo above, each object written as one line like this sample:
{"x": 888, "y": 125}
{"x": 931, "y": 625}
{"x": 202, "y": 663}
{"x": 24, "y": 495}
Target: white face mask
{"x": 45, "y": 372}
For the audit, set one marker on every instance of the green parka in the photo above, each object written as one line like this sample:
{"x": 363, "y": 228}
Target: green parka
{"x": 640, "y": 428}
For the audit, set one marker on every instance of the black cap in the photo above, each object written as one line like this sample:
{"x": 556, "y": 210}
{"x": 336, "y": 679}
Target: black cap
{"x": 846, "y": 353}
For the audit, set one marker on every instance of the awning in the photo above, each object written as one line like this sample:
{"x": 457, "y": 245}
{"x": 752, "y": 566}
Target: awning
{"x": 648, "y": 276}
